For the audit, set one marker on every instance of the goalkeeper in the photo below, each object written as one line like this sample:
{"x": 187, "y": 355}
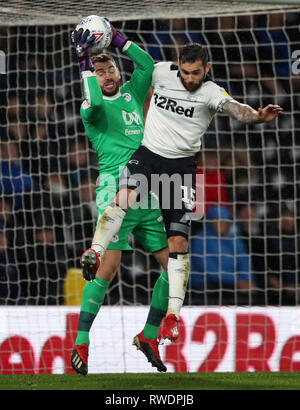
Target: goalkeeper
{"x": 113, "y": 120}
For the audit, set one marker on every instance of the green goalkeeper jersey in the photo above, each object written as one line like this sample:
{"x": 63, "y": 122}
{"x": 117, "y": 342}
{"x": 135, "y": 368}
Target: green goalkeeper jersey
{"x": 115, "y": 125}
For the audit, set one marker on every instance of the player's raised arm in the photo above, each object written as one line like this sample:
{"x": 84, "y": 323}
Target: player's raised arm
{"x": 247, "y": 115}
{"x": 92, "y": 91}
{"x": 141, "y": 78}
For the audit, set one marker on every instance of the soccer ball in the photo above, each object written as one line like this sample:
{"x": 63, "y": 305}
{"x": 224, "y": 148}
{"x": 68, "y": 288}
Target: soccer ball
{"x": 101, "y": 30}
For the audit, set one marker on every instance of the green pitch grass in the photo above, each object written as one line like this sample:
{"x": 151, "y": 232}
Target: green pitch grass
{"x": 154, "y": 381}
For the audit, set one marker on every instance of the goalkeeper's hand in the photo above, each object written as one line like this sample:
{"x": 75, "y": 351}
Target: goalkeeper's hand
{"x": 117, "y": 40}
{"x": 83, "y": 48}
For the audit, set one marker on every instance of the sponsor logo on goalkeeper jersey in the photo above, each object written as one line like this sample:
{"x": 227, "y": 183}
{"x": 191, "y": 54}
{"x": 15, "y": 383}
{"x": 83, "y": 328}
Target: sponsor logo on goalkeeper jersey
{"x": 171, "y": 105}
{"x": 131, "y": 118}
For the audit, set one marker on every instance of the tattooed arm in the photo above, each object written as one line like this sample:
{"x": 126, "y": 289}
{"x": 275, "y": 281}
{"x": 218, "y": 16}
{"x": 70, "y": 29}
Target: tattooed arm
{"x": 246, "y": 114}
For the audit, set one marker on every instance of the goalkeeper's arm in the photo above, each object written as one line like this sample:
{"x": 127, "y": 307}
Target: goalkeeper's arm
{"x": 91, "y": 107}
{"x": 141, "y": 78}
{"x": 92, "y": 90}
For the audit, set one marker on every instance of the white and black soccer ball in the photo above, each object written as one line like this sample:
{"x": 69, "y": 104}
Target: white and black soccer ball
{"x": 100, "y": 28}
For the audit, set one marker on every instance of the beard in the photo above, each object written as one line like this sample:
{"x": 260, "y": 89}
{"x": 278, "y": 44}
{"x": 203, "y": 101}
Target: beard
{"x": 191, "y": 86}
{"x": 112, "y": 92}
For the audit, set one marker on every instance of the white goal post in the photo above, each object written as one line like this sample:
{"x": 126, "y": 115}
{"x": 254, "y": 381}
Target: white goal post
{"x": 31, "y": 13}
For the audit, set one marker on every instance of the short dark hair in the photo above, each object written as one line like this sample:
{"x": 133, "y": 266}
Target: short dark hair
{"x": 103, "y": 58}
{"x": 193, "y": 52}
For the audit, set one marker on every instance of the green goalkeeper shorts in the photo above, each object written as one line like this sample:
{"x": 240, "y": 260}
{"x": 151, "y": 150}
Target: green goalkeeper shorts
{"x": 146, "y": 225}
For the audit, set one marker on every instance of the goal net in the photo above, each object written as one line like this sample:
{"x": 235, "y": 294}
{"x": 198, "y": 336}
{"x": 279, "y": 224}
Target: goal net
{"x": 244, "y": 252}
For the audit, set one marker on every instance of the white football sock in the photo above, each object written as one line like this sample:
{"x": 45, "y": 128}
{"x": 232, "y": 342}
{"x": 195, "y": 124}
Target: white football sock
{"x": 178, "y": 273}
{"x": 108, "y": 225}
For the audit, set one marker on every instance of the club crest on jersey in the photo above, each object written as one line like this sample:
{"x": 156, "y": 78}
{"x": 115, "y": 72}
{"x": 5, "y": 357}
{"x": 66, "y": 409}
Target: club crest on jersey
{"x": 127, "y": 97}
{"x": 171, "y": 105}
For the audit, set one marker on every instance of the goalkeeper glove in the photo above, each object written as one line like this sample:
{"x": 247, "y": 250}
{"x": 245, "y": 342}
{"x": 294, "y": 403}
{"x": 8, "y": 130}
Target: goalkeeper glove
{"x": 117, "y": 40}
{"x": 82, "y": 48}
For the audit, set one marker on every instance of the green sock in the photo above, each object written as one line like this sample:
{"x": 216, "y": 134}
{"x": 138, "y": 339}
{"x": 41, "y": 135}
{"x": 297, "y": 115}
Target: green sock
{"x": 92, "y": 299}
{"x": 158, "y": 308}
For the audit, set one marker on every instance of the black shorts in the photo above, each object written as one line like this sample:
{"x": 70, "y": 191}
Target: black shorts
{"x": 172, "y": 180}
